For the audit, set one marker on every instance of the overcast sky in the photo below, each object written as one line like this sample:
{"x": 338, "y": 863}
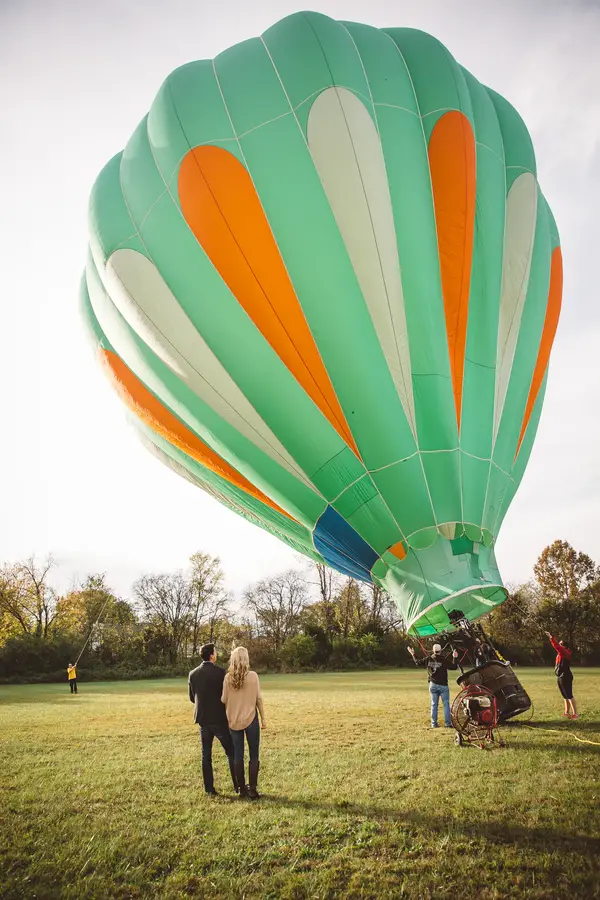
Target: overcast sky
{"x": 76, "y": 76}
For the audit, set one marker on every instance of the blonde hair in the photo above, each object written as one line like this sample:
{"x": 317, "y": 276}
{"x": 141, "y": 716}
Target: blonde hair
{"x": 239, "y": 665}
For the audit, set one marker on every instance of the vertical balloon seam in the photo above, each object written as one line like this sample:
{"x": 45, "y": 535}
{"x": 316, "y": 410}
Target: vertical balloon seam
{"x": 352, "y": 443}
{"x": 453, "y": 112}
{"x": 150, "y": 409}
{"x": 304, "y": 137}
{"x": 408, "y": 392}
{"x": 438, "y": 220}
{"x": 506, "y": 191}
{"x": 487, "y": 138}
{"x": 507, "y": 353}
{"x": 330, "y": 178}
{"x": 519, "y": 305}
{"x": 418, "y": 107}
{"x": 547, "y": 339}
{"x": 528, "y": 342}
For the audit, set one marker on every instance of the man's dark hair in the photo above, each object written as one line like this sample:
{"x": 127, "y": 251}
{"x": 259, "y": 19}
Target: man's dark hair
{"x": 206, "y": 651}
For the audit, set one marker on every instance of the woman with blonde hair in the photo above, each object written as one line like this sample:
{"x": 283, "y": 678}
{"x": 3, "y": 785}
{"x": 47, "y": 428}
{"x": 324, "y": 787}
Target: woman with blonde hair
{"x": 243, "y": 702}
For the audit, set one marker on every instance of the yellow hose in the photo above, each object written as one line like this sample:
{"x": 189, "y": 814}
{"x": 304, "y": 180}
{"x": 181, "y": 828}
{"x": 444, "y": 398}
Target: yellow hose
{"x": 559, "y": 731}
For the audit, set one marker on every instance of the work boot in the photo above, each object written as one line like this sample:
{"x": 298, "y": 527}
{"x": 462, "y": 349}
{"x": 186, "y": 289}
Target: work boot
{"x": 240, "y": 778}
{"x": 253, "y": 767}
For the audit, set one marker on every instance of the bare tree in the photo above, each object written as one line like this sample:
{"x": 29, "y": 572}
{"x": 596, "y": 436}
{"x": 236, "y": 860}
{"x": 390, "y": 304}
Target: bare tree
{"x": 209, "y": 596}
{"x": 27, "y": 597}
{"x": 168, "y": 601}
{"x": 276, "y": 604}
{"x": 382, "y": 612}
{"x": 324, "y": 611}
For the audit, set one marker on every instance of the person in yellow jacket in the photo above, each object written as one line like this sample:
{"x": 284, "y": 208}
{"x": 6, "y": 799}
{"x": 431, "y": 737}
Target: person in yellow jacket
{"x": 72, "y": 676}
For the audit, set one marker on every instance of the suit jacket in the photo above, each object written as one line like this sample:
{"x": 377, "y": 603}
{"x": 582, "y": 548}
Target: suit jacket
{"x": 205, "y": 686}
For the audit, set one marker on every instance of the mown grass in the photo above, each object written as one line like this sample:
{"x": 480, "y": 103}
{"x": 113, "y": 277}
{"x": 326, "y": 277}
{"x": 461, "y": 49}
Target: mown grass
{"x": 102, "y": 796}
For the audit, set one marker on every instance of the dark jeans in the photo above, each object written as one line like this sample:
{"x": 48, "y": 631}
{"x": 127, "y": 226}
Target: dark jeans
{"x": 252, "y": 733}
{"x": 207, "y": 735}
{"x": 565, "y": 686}
{"x": 73, "y": 685}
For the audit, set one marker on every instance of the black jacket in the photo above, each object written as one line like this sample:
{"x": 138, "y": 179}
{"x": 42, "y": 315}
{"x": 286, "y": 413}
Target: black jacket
{"x": 437, "y": 668}
{"x": 205, "y": 686}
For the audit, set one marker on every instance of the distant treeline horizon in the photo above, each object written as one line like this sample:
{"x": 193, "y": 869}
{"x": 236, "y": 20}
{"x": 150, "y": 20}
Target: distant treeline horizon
{"x": 351, "y": 625}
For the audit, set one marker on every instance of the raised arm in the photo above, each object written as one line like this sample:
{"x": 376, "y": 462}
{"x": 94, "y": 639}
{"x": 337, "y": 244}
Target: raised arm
{"x": 562, "y": 651}
{"x": 418, "y": 662}
{"x": 452, "y": 663}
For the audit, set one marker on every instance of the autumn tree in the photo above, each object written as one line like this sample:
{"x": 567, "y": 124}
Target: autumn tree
{"x": 562, "y": 572}
{"x": 79, "y": 609}
{"x": 351, "y": 607}
{"x": 568, "y": 605}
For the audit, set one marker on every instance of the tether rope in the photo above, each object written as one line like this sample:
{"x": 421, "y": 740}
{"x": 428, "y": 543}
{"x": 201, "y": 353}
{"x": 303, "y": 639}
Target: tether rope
{"x": 92, "y": 629}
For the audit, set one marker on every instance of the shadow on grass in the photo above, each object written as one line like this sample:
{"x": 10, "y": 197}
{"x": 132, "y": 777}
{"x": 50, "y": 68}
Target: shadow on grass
{"x": 542, "y": 839}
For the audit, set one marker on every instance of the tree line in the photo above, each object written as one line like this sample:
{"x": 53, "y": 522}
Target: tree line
{"x": 294, "y": 621}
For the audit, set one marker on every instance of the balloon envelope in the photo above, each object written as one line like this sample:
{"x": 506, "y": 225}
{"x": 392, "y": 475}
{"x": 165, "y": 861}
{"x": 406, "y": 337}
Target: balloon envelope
{"x": 323, "y": 278}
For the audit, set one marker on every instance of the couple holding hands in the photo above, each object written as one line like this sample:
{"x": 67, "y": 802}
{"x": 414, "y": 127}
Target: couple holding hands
{"x": 227, "y": 706}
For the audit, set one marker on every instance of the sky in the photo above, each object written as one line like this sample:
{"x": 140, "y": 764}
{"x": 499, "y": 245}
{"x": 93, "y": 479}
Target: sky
{"x": 75, "y": 79}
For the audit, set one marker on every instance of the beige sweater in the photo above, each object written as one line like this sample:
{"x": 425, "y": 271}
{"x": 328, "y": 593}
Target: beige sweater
{"x": 241, "y": 705}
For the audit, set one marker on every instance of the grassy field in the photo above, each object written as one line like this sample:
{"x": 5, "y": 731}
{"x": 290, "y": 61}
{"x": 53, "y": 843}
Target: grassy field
{"x": 101, "y": 796}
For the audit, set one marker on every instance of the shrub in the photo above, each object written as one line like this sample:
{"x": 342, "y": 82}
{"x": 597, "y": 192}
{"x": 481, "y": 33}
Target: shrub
{"x": 299, "y": 652}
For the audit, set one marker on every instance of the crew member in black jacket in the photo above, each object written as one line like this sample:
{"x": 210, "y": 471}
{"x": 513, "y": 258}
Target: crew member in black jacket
{"x": 437, "y": 676}
{"x": 205, "y": 685}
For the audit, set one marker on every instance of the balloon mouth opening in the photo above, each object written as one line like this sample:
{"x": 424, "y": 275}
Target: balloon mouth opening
{"x": 474, "y": 601}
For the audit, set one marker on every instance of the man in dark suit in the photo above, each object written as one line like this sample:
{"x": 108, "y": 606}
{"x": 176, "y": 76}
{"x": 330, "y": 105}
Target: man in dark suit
{"x": 205, "y": 688}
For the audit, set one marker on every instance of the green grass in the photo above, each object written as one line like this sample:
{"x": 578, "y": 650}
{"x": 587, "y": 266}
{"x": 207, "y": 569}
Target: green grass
{"x": 101, "y": 796}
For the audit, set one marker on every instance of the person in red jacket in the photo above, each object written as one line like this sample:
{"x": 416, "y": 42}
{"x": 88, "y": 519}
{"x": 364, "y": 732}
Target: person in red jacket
{"x": 562, "y": 667}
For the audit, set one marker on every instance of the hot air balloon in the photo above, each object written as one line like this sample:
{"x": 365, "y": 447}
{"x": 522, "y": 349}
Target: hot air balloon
{"x": 325, "y": 282}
